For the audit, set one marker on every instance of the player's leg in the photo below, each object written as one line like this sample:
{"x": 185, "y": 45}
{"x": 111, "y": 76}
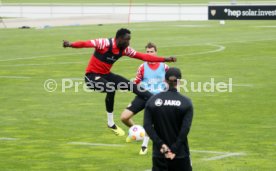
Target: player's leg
{"x": 109, "y": 105}
{"x": 109, "y": 102}
{"x": 128, "y": 85}
{"x": 126, "y": 117}
{"x": 133, "y": 108}
{"x": 99, "y": 83}
{"x": 137, "y": 105}
{"x": 144, "y": 147}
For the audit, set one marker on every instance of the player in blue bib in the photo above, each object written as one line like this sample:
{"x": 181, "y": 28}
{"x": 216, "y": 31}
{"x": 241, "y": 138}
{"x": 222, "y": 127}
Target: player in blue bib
{"x": 153, "y": 80}
{"x": 151, "y": 76}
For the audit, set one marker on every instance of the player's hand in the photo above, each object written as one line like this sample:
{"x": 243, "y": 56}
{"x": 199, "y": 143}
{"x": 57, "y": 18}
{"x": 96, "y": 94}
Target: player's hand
{"x": 167, "y": 152}
{"x": 170, "y": 59}
{"x": 170, "y": 155}
{"x": 164, "y": 149}
{"x": 66, "y": 44}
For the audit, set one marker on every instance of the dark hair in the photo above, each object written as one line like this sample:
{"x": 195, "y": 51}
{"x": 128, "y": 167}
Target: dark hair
{"x": 151, "y": 45}
{"x": 121, "y": 32}
{"x": 172, "y": 75}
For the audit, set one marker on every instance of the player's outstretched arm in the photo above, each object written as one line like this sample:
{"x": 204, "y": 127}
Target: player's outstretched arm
{"x": 150, "y": 58}
{"x": 78, "y": 44}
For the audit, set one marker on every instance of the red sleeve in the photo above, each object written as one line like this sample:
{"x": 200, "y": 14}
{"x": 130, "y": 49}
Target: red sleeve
{"x": 148, "y": 58}
{"x": 83, "y": 44}
{"x": 140, "y": 74}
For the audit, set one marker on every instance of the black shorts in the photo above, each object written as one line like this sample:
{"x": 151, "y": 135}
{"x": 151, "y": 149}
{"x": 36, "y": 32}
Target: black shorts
{"x": 106, "y": 82}
{"x": 137, "y": 105}
{"x": 177, "y": 164}
{"x": 109, "y": 83}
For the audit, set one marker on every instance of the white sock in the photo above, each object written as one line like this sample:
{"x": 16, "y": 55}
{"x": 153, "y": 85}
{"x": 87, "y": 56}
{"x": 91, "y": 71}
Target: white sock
{"x": 145, "y": 141}
{"x": 110, "y": 121}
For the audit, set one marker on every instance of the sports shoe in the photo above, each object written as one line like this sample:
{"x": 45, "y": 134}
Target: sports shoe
{"x": 143, "y": 151}
{"x": 117, "y": 130}
{"x": 128, "y": 139}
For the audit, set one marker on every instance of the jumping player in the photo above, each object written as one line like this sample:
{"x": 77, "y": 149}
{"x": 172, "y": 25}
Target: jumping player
{"x": 98, "y": 76}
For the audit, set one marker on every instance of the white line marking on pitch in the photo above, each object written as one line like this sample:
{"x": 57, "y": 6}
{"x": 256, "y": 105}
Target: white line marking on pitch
{"x": 205, "y": 151}
{"x": 220, "y": 155}
{"x": 219, "y": 48}
{"x": 224, "y": 156}
{"x": 96, "y": 144}
{"x": 193, "y": 26}
{"x": 45, "y": 56}
{"x": 7, "y": 139}
{"x": 175, "y": 45}
{"x": 16, "y": 77}
{"x": 265, "y": 26}
{"x": 58, "y": 63}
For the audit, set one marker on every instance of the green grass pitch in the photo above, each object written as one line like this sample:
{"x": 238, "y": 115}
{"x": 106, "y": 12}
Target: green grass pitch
{"x": 43, "y": 124}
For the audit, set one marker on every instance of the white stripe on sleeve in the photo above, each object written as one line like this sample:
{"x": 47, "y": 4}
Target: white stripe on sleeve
{"x": 101, "y": 43}
{"x": 130, "y": 52}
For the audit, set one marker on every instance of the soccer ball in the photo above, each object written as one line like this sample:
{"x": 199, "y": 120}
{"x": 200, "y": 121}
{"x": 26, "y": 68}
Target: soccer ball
{"x": 136, "y": 132}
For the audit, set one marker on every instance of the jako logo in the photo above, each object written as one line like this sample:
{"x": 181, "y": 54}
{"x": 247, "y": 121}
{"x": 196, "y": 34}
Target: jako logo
{"x": 172, "y": 103}
{"x": 158, "y": 102}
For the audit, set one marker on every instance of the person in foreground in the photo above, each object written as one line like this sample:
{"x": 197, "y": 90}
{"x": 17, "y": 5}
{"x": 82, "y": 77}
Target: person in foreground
{"x": 151, "y": 76}
{"x": 98, "y": 76}
{"x": 167, "y": 120}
